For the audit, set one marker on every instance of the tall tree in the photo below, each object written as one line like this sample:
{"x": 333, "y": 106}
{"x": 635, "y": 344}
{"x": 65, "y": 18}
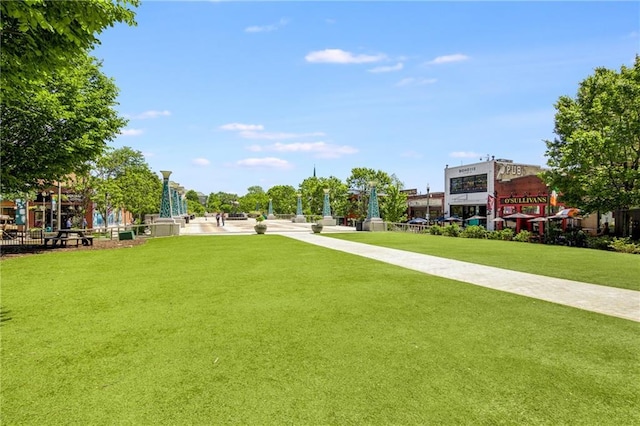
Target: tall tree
{"x": 254, "y": 200}
{"x": 193, "y": 203}
{"x": 43, "y": 38}
{"x": 359, "y": 184}
{"x": 119, "y": 178}
{"x": 595, "y": 158}
{"x": 284, "y": 199}
{"x": 394, "y": 205}
{"x": 141, "y": 191}
{"x": 312, "y": 195}
{"x": 221, "y": 201}
{"x": 312, "y": 191}
{"x": 60, "y": 124}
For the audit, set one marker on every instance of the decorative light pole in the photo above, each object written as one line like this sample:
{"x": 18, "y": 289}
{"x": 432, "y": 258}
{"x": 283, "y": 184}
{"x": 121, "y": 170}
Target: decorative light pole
{"x": 165, "y": 206}
{"x": 373, "y": 222}
{"x": 428, "y": 196}
{"x": 174, "y": 199}
{"x": 373, "y": 210}
{"x": 165, "y": 225}
{"x": 299, "y": 216}
{"x": 326, "y": 207}
{"x": 270, "y": 214}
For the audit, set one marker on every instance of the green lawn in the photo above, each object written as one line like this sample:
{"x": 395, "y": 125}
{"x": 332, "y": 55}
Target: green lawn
{"x": 607, "y": 268}
{"x": 268, "y": 330}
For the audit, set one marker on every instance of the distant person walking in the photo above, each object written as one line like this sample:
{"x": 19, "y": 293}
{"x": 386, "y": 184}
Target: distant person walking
{"x": 218, "y": 219}
{"x": 68, "y": 223}
{"x": 223, "y": 215}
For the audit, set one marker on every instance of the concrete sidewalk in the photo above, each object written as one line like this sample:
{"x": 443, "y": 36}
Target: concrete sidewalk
{"x": 596, "y": 298}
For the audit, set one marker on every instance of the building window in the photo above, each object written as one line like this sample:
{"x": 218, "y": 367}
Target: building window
{"x": 466, "y": 184}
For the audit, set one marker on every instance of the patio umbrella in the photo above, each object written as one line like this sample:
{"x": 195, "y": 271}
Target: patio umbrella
{"x": 538, "y": 219}
{"x": 566, "y": 213}
{"x": 519, "y": 216}
{"x": 497, "y": 219}
{"x": 476, "y": 217}
{"x": 452, "y": 219}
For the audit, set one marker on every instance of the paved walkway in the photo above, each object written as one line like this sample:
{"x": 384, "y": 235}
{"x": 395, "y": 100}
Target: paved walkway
{"x": 605, "y": 300}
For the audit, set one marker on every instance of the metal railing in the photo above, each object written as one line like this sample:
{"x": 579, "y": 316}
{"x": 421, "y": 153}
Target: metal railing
{"x": 32, "y": 237}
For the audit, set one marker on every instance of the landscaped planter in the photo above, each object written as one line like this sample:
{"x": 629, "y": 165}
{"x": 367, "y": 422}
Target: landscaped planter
{"x": 260, "y": 228}
{"x": 316, "y": 228}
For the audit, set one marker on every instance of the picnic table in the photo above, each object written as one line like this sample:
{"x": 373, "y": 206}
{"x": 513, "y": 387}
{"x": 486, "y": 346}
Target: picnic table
{"x": 65, "y": 235}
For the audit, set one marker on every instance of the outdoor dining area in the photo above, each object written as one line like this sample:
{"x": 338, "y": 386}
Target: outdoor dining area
{"x": 566, "y": 220}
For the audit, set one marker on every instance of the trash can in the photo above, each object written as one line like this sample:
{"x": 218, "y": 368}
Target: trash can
{"x": 359, "y": 226}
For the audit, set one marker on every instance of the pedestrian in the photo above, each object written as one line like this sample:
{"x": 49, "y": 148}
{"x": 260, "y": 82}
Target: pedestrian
{"x": 223, "y": 215}
{"x": 84, "y": 223}
{"x": 69, "y": 222}
{"x": 218, "y": 219}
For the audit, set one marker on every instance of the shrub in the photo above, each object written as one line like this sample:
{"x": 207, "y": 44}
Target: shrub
{"x": 435, "y": 230}
{"x": 474, "y": 231}
{"x": 494, "y": 235}
{"x": 506, "y": 234}
{"x": 523, "y": 236}
{"x": 452, "y": 230}
{"x": 625, "y": 245}
{"x": 599, "y": 243}
{"x": 576, "y": 238}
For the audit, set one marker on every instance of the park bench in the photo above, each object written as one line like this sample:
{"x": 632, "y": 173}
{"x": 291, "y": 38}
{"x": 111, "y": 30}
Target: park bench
{"x": 64, "y": 236}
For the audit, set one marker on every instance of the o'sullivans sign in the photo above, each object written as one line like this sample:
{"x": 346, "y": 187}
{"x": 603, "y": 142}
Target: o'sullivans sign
{"x": 541, "y": 199}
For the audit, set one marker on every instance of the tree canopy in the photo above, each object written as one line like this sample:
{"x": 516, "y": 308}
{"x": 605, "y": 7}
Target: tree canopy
{"x": 57, "y": 126}
{"x": 283, "y": 199}
{"x": 122, "y": 178}
{"x": 42, "y": 38}
{"x": 57, "y": 108}
{"x": 595, "y": 158}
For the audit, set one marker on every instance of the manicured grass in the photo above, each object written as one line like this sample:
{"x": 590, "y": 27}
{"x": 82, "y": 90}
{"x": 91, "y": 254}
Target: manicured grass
{"x": 268, "y": 330}
{"x": 607, "y": 268}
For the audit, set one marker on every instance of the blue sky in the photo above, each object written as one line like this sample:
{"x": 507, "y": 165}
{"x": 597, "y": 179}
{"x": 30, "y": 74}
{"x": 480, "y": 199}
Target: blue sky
{"x": 228, "y": 95}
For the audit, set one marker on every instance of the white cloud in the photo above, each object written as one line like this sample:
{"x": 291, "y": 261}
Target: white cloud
{"x": 466, "y": 154}
{"x": 458, "y": 57}
{"x": 248, "y": 134}
{"x": 339, "y": 56}
{"x": 266, "y": 28}
{"x": 320, "y": 149}
{"x": 242, "y": 127}
{"x": 330, "y": 21}
{"x": 150, "y": 114}
{"x": 268, "y": 162}
{"x": 200, "y": 162}
{"x": 390, "y": 68}
{"x": 131, "y": 132}
{"x": 410, "y": 81}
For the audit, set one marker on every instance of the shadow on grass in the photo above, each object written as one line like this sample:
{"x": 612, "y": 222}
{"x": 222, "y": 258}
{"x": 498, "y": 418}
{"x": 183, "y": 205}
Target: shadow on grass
{"x": 6, "y": 251}
{"x": 4, "y": 315}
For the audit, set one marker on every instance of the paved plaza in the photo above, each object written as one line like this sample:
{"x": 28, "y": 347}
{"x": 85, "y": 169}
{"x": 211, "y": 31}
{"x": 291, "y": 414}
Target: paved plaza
{"x": 605, "y": 300}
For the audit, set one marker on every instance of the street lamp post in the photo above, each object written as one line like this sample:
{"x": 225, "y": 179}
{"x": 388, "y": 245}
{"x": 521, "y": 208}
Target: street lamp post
{"x": 44, "y": 209}
{"x": 428, "y": 195}
{"x": 106, "y": 211}
{"x": 51, "y": 196}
